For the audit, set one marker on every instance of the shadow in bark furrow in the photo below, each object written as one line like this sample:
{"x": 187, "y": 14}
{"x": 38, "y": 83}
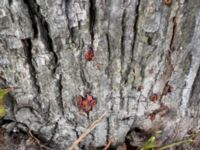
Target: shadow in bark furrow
{"x": 108, "y": 129}
{"x": 60, "y": 98}
{"x": 173, "y": 34}
{"x": 92, "y": 18}
{"x": 135, "y": 27}
{"x": 32, "y": 14}
{"x": 122, "y": 48}
{"x": 10, "y": 2}
{"x": 123, "y": 23}
{"x": 109, "y": 55}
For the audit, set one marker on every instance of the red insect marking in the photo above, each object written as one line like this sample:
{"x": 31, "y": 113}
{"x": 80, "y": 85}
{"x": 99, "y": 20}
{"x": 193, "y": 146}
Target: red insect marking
{"x": 93, "y": 103}
{"x": 154, "y": 98}
{"x": 85, "y": 104}
{"x": 91, "y": 100}
{"x": 89, "y": 54}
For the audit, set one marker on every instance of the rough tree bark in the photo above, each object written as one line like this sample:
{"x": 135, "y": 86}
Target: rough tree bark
{"x": 141, "y": 47}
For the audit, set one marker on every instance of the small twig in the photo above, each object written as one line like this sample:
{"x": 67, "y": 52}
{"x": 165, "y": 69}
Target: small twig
{"x": 37, "y": 141}
{"x": 88, "y": 130}
{"x": 108, "y": 145}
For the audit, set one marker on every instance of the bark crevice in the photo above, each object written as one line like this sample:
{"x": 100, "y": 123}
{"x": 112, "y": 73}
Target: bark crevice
{"x": 92, "y": 19}
{"x": 28, "y": 53}
{"x": 172, "y": 48}
{"x": 32, "y": 14}
{"x": 53, "y": 133}
{"x": 39, "y": 24}
{"x": 109, "y": 54}
{"x": 108, "y": 129}
{"x": 133, "y": 43}
{"x": 135, "y": 30}
{"x": 10, "y": 2}
{"x": 59, "y": 97}
{"x": 123, "y": 23}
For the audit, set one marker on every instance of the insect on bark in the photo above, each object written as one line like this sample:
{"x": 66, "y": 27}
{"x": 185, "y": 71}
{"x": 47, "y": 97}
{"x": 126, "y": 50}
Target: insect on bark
{"x": 86, "y": 103}
{"x": 89, "y": 54}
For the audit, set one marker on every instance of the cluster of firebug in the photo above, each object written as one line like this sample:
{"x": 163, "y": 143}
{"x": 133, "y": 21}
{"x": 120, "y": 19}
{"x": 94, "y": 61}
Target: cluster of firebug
{"x": 86, "y": 103}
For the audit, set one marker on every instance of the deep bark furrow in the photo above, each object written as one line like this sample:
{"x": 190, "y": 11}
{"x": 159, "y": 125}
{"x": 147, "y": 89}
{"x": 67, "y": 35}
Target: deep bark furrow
{"x": 108, "y": 47}
{"x": 142, "y": 70}
{"x": 50, "y": 45}
{"x": 134, "y": 39}
{"x": 172, "y": 48}
{"x": 122, "y": 55}
{"x": 174, "y": 28}
{"x": 121, "y": 98}
{"x": 123, "y": 23}
{"x": 135, "y": 27}
{"x": 60, "y": 98}
{"x": 32, "y": 14}
{"x": 34, "y": 11}
{"x": 108, "y": 129}
{"x": 27, "y": 50}
{"x": 136, "y": 45}
{"x": 10, "y": 2}
{"x": 92, "y": 18}
{"x": 109, "y": 54}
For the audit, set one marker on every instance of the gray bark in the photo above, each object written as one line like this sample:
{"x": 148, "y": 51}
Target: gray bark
{"x": 141, "y": 48}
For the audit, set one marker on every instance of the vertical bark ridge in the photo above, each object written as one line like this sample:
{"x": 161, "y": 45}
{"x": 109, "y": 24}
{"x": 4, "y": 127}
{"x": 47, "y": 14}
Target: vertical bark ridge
{"x": 133, "y": 46}
{"x": 27, "y": 50}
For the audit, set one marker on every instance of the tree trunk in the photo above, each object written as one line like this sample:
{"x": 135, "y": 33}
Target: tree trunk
{"x": 145, "y": 74}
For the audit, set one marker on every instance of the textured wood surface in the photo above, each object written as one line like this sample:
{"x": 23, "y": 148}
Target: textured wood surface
{"x": 141, "y": 48}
